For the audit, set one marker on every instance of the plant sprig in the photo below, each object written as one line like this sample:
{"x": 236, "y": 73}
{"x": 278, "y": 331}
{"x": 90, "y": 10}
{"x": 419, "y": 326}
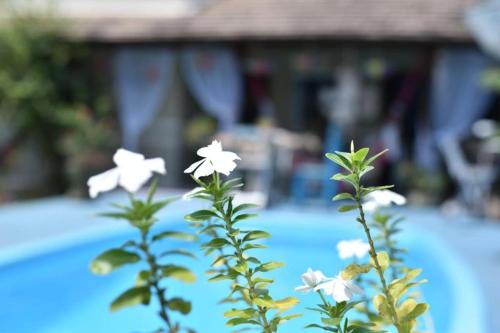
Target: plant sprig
{"x": 393, "y": 303}
{"x": 235, "y": 244}
{"x": 141, "y": 214}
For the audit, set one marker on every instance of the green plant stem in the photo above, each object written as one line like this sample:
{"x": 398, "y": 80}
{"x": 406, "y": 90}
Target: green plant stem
{"x": 154, "y": 281}
{"x": 373, "y": 255}
{"x": 248, "y": 275}
{"x": 239, "y": 254}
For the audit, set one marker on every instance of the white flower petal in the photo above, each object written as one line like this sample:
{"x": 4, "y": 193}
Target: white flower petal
{"x": 103, "y": 182}
{"x": 132, "y": 178}
{"x": 213, "y": 148}
{"x": 341, "y": 293}
{"x": 303, "y": 289}
{"x": 156, "y": 165}
{"x": 123, "y": 157}
{"x": 193, "y": 166}
{"x": 205, "y": 169}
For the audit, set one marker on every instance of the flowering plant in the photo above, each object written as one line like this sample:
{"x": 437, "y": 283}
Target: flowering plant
{"x": 131, "y": 173}
{"x": 234, "y": 244}
{"x": 394, "y": 305}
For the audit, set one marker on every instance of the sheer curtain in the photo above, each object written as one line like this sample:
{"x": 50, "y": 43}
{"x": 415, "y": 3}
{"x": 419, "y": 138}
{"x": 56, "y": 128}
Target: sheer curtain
{"x": 457, "y": 100}
{"x": 142, "y": 78}
{"x": 214, "y": 78}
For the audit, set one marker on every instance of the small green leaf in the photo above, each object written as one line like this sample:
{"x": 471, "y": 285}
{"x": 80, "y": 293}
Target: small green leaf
{"x": 201, "y": 215}
{"x": 331, "y": 321}
{"x": 343, "y": 196}
{"x": 286, "y": 303}
{"x": 216, "y": 243}
{"x": 111, "y": 260}
{"x": 176, "y": 235}
{"x": 268, "y": 303}
{"x": 244, "y": 206}
{"x": 353, "y": 270}
{"x": 360, "y": 155}
{"x": 340, "y": 160}
{"x": 256, "y": 234}
{"x": 178, "y": 252}
{"x": 245, "y": 313}
{"x": 179, "y": 273}
{"x": 269, "y": 266}
{"x": 383, "y": 260}
{"x": 347, "y": 208}
{"x": 131, "y": 297}
{"x": 243, "y": 217}
{"x": 180, "y": 305}
{"x": 142, "y": 278}
{"x": 373, "y": 158}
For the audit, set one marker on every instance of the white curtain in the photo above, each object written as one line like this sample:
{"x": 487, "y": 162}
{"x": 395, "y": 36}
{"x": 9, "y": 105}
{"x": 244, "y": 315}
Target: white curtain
{"x": 142, "y": 77}
{"x": 214, "y": 78}
{"x": 483, "y": 20}
{"x": 457, "y": 100}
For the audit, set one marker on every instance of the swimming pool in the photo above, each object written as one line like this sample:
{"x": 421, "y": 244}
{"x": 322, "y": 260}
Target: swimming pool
{"x": 54, "y": 291}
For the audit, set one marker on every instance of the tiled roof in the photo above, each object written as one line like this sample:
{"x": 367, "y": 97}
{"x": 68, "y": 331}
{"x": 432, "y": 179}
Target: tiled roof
{"x": 405, "y": 20}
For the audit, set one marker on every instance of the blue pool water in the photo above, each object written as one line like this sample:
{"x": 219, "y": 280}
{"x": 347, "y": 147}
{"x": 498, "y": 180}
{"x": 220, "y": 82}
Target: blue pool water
{"x": 56, "y": 293}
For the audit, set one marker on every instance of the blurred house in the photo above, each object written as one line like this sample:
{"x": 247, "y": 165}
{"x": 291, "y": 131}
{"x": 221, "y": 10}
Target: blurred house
{"x": 396, "y": 74}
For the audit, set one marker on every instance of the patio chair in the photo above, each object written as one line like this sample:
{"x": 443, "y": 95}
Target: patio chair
{"x": 317, "y": 174}
{"x": 474, "y": 181}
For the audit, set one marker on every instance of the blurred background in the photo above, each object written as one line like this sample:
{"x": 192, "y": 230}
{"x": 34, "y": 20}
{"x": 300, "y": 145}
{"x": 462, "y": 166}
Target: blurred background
{"x": 280, "y": 82}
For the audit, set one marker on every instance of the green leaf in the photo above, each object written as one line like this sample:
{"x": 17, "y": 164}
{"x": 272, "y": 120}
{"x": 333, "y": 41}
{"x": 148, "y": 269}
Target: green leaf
{"x": 179, "y": 273}
{"x": 286, "y": 303}
{"x": 250, "y": 246}
{"x": 382, "y": 307}
{"x": 245, "y": 313}
{"x": 216, "y": 243}
{"x": 220, "y": 277}
{"x": 347, "y": 208}
{"x": 348, "y": 178}
{"x": 240, "y": 321}
{"x": 243, "y": 217}
{"x": 180, "y": 305}
{"x": 383, "y": 260}
{"x": 340, "y": 160}
{"x": 142, "y": 278}
{"x": 353, "y": 270}
{"x": 244, "y": 206}
{"x": 269, "y": 266}
{"x": 256, "y": 234}
{"x": 373, "y": 158}
{"x": 331, "y": 321}
{"x": 201, "y": 215}
{"x": 324, "y": 328}
{"x": 176, "y": 235}
{"x": 152, "y": 189}
{"x": 264, "y": 302}
{"x": 343, "y": 196}
{"x": 178, "y": 252}
{"x": 131, "y": 297}
{"x": 360, "y": 155}
{"x": 111, "y": 260}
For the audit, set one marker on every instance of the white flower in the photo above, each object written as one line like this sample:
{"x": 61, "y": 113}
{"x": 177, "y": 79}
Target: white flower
{"x": 355, "y": 247}
{"x": 193, "y": 192}
{"x": 215, "y": 160}
{"x": 382, "y": 198}
{"x": 311, "y": 280}
{"x": 131, "y": 172}
{"x": 341, "y": 290}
